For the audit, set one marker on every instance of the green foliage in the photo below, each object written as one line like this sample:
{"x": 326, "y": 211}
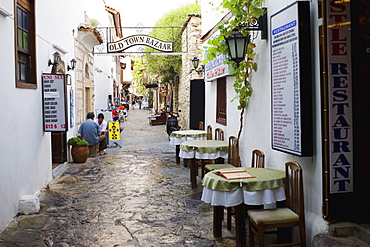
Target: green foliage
{"x": 169, "y": 66}
{"x": 77, "y": 142}
{"x": 137, "y": 75}
{"x": 94, "y": 22}
{"x": 243, "y": 12}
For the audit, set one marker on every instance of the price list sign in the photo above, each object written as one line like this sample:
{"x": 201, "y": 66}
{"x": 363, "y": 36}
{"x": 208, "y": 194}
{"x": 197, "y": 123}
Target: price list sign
{"x": 53, "y": 87}
{"x": 291, "y": 80}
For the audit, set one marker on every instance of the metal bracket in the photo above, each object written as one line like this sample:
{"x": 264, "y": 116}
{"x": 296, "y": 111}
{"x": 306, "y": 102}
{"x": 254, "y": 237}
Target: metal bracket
{"x": 259, "y": 24}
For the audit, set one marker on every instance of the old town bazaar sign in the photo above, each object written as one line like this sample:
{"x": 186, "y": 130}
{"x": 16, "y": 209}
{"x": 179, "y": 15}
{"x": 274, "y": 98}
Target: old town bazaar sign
{"x": 133, "y": 40}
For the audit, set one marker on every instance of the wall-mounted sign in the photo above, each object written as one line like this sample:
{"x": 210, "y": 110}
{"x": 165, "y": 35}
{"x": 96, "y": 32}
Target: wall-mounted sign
{"x": 133, "y": 40}
{"x": 291, "y": 79}
{"x": 54, "y": 104}
{"x": 340, "y": 96}
{"x": 216, "y": 68}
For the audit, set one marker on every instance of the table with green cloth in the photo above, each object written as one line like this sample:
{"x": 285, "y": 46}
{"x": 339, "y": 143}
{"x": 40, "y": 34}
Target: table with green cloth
{"x": 180, "y": 136}
{"x": 202, "y": 150}
{"x": 265, "y": 188}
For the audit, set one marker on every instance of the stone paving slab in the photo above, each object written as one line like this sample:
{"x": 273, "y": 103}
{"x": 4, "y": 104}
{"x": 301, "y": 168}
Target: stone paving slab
{"x": 135, "y": 196}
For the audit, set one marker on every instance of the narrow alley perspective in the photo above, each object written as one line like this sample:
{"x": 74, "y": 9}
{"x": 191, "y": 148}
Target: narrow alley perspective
{"x": 134, "y": 196}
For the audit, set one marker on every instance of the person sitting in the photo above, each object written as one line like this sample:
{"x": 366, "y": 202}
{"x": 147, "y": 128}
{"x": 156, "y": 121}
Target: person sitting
{"x": 102, "y": 123}
{"x": 92, "y": 133}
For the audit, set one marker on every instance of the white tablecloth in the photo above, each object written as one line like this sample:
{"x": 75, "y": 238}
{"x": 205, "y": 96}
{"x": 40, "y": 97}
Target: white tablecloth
{"x": 203, "y": 156}
{"x": 233, "y": 198}
{"x": 178, "y": 141}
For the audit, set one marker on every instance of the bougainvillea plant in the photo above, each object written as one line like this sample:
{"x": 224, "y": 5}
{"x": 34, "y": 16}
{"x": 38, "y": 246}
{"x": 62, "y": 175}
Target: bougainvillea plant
{"x": 243, "y": 12}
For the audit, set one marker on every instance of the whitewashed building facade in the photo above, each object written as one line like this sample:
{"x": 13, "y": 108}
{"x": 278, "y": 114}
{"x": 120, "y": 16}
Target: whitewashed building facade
{"x": 336, "y": 170}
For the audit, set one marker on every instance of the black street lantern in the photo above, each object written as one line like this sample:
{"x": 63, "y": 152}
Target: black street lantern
{"x": 73, "y": 65}
{"x": 195, "y": 62}
{"x": 237, "y": 44}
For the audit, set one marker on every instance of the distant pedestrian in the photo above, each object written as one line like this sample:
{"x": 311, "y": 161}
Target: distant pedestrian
{"x": 140, "y": 102}
{"x": 133, "y": 104}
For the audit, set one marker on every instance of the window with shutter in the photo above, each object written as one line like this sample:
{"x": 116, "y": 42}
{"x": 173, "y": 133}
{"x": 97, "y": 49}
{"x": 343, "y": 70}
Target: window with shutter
{"x": 221, "y": 105}
{"x": 25, "y": 45}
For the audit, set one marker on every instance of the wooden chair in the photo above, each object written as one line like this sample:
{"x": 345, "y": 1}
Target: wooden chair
{"x": 219, "y": 134}
{"x": 289, "y": 216}
{"x": 258, "y": 159}
{"x": 209, "y": 132}
{"x": 233, "y": 157}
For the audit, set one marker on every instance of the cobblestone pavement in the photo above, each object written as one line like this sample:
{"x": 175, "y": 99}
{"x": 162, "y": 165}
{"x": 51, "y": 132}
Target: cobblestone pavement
{"x": 134, "y": 196}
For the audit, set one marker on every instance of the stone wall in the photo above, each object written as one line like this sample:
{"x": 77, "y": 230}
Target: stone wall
{"x": 84, "y": 91}
{"x": 191, "y": 40}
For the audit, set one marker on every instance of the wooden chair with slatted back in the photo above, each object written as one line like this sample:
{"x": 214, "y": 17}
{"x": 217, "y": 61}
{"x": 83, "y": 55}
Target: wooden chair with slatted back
{"x": 233, "y": 157}
{"x": 289, "y": 216}
{"x": 258, "y": 159}
{"x": 209, "y": 132}
{"x": 219, "y": 134}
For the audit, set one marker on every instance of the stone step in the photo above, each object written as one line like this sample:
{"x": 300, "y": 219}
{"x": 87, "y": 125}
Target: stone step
{"x": 344, "y": 234}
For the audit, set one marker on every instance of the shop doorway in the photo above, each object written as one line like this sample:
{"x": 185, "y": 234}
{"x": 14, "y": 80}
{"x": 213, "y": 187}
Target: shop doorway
{"x": 197, "y": 103}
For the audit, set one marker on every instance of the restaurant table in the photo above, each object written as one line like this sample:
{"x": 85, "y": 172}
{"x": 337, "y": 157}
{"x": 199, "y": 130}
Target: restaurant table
{"x": 180, "y": 136}
{"x": 265, "y": 188}
{"x": 202, "y": 150}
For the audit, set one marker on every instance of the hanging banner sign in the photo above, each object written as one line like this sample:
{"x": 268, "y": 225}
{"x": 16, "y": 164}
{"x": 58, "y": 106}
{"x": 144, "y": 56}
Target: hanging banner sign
{"x": 340, "y": 96}
{"x": 133, "y": 40}
{"x": 54, "y": 102}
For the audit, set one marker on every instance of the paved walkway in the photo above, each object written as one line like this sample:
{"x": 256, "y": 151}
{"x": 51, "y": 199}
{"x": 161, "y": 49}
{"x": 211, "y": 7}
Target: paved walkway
{"x": 134, "y": 196}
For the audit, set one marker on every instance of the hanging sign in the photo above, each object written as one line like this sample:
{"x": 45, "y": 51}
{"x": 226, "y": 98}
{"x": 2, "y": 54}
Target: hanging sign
{"x": 291, "y": 80}
{"x": 133, "y": 40}
{"x": 54, "y": 104}
{"x": 340, "y": 96}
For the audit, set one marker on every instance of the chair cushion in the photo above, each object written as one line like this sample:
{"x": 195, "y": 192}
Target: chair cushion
{"x": 213, "y": 167}
{"x": 270, "y": 216}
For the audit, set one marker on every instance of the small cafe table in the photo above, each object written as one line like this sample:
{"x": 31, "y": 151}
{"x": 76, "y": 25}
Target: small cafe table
{"x": 265, "y": 188}
{"x": 180, "y": 136}
{"x": 202, "y": 150}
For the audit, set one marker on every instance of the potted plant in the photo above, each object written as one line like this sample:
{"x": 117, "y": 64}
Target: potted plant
{"x": 80, "y": 149}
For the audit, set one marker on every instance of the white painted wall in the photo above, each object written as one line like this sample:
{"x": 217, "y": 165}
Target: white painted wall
{"x": 25, "y": 150}
{"x": 257, "y": 119}
{"x": 103, "y": 80}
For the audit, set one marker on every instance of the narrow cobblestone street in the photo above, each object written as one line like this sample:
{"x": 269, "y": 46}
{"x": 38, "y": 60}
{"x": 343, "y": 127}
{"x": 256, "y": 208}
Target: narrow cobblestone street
{"x": 134, "y": 196}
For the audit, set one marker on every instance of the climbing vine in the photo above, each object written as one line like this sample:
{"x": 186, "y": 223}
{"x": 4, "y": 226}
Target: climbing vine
{"x": 243, "y": 12}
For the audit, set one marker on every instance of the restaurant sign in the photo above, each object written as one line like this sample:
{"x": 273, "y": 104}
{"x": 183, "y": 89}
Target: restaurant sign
{"x": 216, "y": 68}
{"x": 54, "y": 106}
{"x": 291, "y": 80}
{"x": 134, "y": 40}
{"x": 340, "y": 97}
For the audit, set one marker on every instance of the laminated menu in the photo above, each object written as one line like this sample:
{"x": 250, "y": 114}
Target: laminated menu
{"x": 235, "y": 174}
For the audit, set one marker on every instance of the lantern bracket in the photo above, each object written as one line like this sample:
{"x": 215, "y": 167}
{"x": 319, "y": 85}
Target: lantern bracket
{"x": 257, "y": 24}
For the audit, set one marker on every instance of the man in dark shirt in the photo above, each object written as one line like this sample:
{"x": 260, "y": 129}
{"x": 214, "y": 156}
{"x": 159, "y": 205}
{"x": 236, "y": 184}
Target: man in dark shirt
{"x": 92, "y": 133}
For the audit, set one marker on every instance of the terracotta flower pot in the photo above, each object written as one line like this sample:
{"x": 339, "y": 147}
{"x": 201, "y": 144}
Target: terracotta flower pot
{"x": 80, "y": 154}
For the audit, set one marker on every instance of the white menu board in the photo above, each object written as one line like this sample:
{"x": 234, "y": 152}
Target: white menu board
{"x": 53, "y": 87}
{"x": 286, "y": 78}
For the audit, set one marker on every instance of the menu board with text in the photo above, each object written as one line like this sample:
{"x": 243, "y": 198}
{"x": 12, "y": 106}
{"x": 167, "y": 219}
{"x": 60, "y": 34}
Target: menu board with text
{"x": 291, "y": 96}
{"x": 53, "y": 87}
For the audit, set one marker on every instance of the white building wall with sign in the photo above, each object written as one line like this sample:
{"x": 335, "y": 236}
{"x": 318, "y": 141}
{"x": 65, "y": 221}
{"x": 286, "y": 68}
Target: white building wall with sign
{"x": 257, "y": 119}
{"x": 25, "y": 149}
